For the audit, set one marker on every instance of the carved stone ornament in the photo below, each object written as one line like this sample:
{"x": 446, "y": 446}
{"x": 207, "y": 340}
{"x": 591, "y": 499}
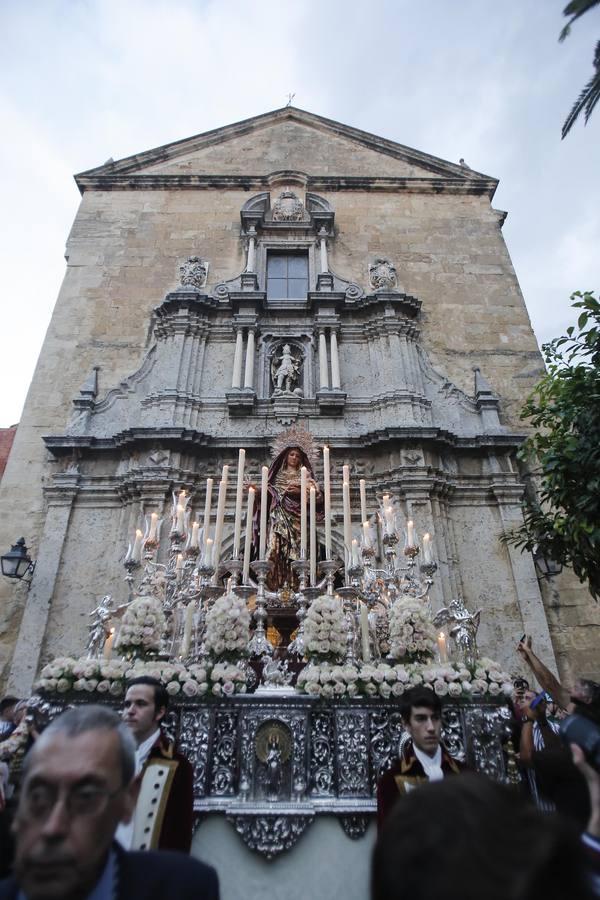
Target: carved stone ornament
{"x": 285, "y": 367}
{"x": 382, "y": 275}
{"x": 288, "y": 208}
{"x": 193, "y": 273}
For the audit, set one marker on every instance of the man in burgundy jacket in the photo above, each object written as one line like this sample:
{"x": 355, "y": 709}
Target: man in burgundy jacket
{"x": 163, "y": 817}
{"x": 423, "y": 757}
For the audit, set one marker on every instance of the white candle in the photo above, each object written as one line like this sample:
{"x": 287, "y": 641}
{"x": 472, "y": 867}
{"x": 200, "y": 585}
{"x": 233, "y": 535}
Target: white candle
{"x": 347, "y": 521}
{"x": 366, "y": 536}
{"x": 410, "y": 533}
{"x": 108, "y": 645}
{"x": 239, "y": 499}
{"x": 187, "y": 630}
{"x": 346, "y": 473}
{"x": 207, "y": 504}
{"x": 194, "y": 538}
{"x": 313, "y": 536}
{"x": 136, "y": 553}
{"x": 180, "y": 519}
{"x": 264, "y": 493}
{"x": 179, "y": 567}
{"x": 208, "y": 552}
{"x": 442, "y": 647}
{"x": 390, "y": 519}
{"x": 153, "y": 527}
{"x": 303, "y": 475}
{"x": 182, "y": 499}
{"x": 355, "y": 556}
{"x": 363, "y": 500}
{"x": 327, "y": 492}
{"x": 427, "y": 557}
{"x": 248, "y": 542}
{"x": 364, "y": 632}
{"x": 219, "y": 522}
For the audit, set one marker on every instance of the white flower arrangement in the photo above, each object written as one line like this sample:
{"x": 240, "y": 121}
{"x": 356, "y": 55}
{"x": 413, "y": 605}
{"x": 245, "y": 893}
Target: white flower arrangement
{"x": 386, "y": 681}
{"x": 111, "y": 677}
{"x": 325, "y": 629}
{"x": 142, "y": 628}
{"x": 412, "y": 635}
{"x": 227, "y": 679}
{"x": 227, "y": 627}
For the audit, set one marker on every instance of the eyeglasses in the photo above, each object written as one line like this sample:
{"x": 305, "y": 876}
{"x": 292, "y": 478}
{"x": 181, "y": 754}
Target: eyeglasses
{"x": 84, "y": 800}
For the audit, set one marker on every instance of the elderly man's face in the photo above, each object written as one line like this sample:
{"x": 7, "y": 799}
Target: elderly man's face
{"x": 71, "y": 803}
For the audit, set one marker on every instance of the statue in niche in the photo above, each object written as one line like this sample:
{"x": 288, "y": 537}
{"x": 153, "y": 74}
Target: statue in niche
{"x": 193, "y": 273}
{"x": 284, "y": 372}
{"x": 288, "y": 208}
{"x": 382, "y": 275}
{"x": 273, "y": 748}
{"x": 292, "y": 449}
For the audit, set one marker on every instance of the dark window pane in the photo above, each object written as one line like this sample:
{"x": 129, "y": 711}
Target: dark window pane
{"x": 276, "y": 266}
{"x": 298, "y": 266}
{"x": 277, "y": 288}
{"x": 297, "y": 287}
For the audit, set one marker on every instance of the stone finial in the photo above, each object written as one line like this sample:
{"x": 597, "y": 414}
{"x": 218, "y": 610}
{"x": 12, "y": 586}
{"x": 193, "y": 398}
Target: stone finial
{"x": 193, "y": 273}
{"x": 482, "y": 385}
{"x": 89, "y": 388}
{"x": 382, "y": 275}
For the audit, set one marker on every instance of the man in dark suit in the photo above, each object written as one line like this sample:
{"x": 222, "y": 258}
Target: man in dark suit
{"x": 423, "y": 757}
{"x": 164, "y": 813}
{"x": 79, "y": 783}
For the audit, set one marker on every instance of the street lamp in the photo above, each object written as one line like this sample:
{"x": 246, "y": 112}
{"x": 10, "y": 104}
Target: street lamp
{"x": 546, "y": 566}
{"x": 17, "y": 563}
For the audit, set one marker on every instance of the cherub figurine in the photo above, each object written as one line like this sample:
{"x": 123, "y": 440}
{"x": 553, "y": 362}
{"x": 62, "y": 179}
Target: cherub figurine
{"x": 464, "y": 627}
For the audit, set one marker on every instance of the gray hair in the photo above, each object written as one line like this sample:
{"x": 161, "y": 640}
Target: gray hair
{"x": 81, "y": 719}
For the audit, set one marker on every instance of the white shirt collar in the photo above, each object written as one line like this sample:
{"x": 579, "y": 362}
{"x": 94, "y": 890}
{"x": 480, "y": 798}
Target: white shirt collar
{"x": 143, "y": 751}
{"x": 432, "y": 765}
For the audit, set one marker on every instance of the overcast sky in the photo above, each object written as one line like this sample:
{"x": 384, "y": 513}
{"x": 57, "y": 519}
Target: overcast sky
{"x": 84, "y": 80}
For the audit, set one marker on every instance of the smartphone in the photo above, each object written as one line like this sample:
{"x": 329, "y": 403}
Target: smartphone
{"x": 522, "y": 639}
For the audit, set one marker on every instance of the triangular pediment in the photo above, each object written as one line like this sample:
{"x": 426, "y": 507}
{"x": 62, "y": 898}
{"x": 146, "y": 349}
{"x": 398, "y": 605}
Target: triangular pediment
{"x": 285, "y": 139}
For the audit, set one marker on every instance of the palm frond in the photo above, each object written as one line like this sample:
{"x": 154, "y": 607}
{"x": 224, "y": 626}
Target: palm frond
{"x": 575, "y": 9}
{"x": 586, "y": 101}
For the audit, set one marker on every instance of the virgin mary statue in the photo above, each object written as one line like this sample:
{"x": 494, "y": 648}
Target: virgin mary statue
{"x": 292, "y": 449}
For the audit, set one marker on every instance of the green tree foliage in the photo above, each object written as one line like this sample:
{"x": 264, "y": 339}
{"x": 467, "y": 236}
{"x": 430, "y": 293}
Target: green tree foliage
{"x": 591, "y": 92}
{"x": 564, "y": 451}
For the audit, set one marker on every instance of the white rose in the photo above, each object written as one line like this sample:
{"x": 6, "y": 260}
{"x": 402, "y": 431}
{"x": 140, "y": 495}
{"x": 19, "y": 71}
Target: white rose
{"x": 507, "y": 689}
{"x": 217, "y": 690}
{"x": 190, "y": 688}
{"x": 173, "y": 688}
{"x": 370, "y": 690}
{"x": 352, "y": 690}
{"x": 116, "y": 688}
{"x": 228, "y": 688}
{"x": 397, "y": 689}
{"x": 454, "y": 689}
{"x": 478, "y": 686}
{"x": 91, "y": 684}
{"x": 440, "y": 687}
{"x": 103, "y": 686}
{"x": 493, "y": 689}
{"x": 78, "y": 685}
{"x": 385, "y": 690}
{"x": 202, "y": 688}
{"x": 313, "y": 688}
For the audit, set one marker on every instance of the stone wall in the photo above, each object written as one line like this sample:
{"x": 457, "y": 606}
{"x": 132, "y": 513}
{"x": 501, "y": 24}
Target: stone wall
{"x": 123, "y": 256}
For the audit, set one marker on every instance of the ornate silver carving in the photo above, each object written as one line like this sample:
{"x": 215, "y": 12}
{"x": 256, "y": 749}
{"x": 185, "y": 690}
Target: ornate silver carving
{"x": 382, "y": 275}
{"x": 193, "y": 272}
{"x": 452, "y": 732}
{"x": 270, "y": 834}
{"x": 288, "y": 208}
{"x": 100, "y": 626}
{"x": 386, "y": 731}
{"x": 488, "y": 729}
{"x": 322, "y": 756}
{"x": 352, "y": 752}
{"x": 224, "y": 754}
{"x": 193, "y": 742}
{"x": 355, "y": 826}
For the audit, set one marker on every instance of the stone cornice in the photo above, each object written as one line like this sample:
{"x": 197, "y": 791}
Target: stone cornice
{"x": 477, "y": 185}
{"x": 187, "y": 438}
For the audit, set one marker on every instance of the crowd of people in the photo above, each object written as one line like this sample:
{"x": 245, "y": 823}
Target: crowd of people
{"x": 101, "y": 805}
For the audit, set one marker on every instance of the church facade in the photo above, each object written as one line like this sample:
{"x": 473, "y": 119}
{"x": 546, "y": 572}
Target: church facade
{"x": 285, "y": 269}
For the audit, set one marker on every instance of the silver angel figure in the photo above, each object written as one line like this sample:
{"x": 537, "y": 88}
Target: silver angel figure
{"x": 101, "y": 624}
{"x": 463, "y": 628}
